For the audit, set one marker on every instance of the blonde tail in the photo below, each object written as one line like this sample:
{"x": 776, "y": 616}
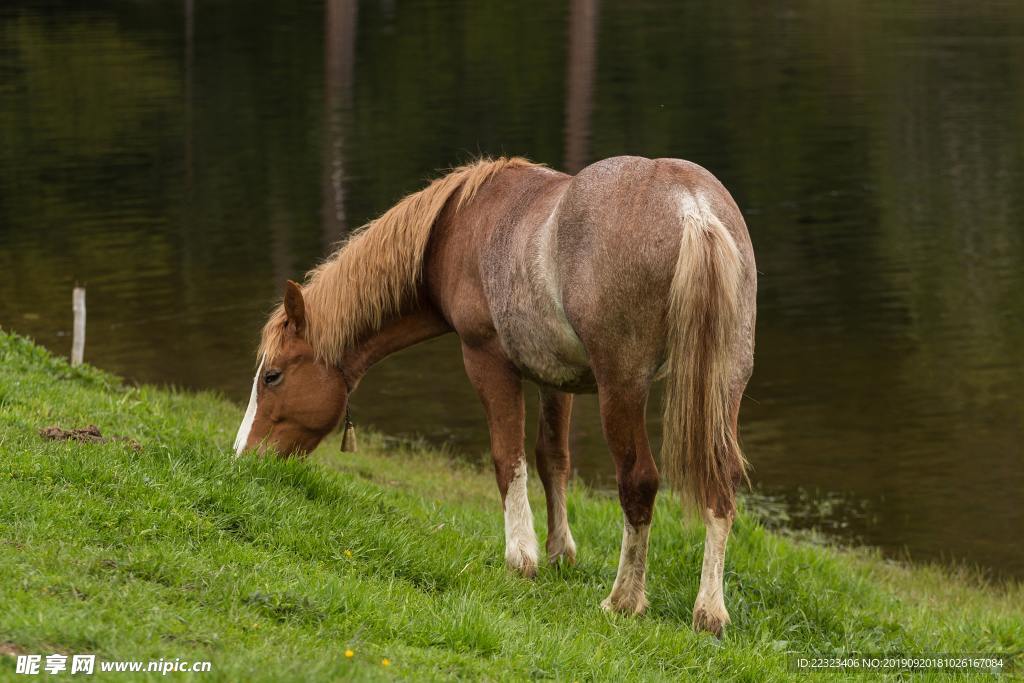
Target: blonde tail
{"x": 700, "y": 454}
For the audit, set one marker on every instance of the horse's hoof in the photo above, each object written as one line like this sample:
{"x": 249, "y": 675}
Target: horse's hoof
{"x": 527, "y": 570}
{"x": 567, "y": 557}
{"x": 522, "y": 563}
{"x": 630, "y": 605}
{"x": 562, "y": 552}
{"x": 709, "y": 622}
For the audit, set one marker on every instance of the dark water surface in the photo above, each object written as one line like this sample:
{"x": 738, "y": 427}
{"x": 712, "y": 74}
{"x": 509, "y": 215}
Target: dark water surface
{"x": 184, "y": 158}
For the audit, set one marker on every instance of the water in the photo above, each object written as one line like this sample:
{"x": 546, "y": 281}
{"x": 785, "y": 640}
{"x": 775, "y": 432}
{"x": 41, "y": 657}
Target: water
{"x": 183, "y": 159}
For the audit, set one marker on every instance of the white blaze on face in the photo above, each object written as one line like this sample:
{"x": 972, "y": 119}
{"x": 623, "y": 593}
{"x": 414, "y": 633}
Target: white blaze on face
{"x": 250, "y": 414}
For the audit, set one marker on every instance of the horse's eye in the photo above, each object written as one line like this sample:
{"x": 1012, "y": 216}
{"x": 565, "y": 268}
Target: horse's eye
{"x": 272, "y": 377}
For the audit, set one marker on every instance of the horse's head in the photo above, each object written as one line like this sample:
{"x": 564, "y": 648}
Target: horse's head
{"x": 296, "y": 399}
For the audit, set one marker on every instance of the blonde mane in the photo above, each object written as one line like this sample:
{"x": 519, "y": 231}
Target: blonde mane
{"x": 367, "y": 279}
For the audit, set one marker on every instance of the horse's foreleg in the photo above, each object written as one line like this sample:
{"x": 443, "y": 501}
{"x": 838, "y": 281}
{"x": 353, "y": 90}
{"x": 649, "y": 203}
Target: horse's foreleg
{"x": 622, "y": 416}
{"x": 553, "y": 464}
{"x": 500, "y": 391}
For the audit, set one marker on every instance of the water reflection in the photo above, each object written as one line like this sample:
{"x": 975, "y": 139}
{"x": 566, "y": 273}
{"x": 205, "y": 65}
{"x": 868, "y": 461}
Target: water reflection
{"x": 183, "y": 159}
{"x": 339, "y": 62}
{"x": 579, "y": 82}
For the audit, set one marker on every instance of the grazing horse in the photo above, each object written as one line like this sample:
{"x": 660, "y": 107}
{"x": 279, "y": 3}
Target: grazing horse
{"x": 601, "y": 282}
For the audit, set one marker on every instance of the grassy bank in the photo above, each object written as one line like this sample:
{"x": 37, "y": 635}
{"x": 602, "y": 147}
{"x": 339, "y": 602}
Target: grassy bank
{"x": 272, "y": 570}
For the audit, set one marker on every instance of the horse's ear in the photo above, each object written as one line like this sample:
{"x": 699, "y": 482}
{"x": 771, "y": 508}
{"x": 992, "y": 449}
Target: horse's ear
{"x": 295, "y": 306}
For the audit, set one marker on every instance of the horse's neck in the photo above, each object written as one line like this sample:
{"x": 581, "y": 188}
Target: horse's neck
{"x": 409, "y": 328}
{"x": 421, "y": 321}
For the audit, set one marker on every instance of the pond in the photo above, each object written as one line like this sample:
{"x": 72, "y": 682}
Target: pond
{"x": 182, "y": 159}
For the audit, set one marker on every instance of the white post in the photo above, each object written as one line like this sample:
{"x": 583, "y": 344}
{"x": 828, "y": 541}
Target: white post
{"x": 78, "y": 340}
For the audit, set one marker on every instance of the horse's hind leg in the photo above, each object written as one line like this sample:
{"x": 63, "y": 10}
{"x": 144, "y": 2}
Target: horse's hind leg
{"x": 553, "y": 464}
{"x": 500, "y": 390}
{"x": 709, "y": 613}
{"x": 622, "y": 416}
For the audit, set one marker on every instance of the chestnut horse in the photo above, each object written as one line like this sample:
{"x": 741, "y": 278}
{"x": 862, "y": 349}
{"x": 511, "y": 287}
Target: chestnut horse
{"x": 601, "y": 282}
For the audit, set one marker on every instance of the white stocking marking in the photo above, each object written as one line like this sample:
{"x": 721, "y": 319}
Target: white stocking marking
{"x": 560, "y": 541}
{"x": 629, "y": 592}
{"x": 520, "y": 538}
{"x": 711, "y": 595}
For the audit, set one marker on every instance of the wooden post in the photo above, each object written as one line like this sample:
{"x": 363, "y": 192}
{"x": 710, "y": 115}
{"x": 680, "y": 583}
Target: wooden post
{"x": 78, "y": 340}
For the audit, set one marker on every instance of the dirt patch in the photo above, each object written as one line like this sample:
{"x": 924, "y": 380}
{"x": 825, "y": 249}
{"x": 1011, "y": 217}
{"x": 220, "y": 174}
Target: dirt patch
{"x": 9, "y": 649}
{"x": 90, "y": 434}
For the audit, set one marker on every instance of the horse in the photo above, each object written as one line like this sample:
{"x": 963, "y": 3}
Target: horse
{"x": 632, "y": 270}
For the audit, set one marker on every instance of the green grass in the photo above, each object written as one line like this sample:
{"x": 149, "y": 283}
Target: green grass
{"x": 272, "y": 569}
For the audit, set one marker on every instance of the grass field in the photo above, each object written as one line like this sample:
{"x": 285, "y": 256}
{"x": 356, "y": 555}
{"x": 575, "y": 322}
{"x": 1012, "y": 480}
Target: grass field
{"x": 388, "y": 563}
